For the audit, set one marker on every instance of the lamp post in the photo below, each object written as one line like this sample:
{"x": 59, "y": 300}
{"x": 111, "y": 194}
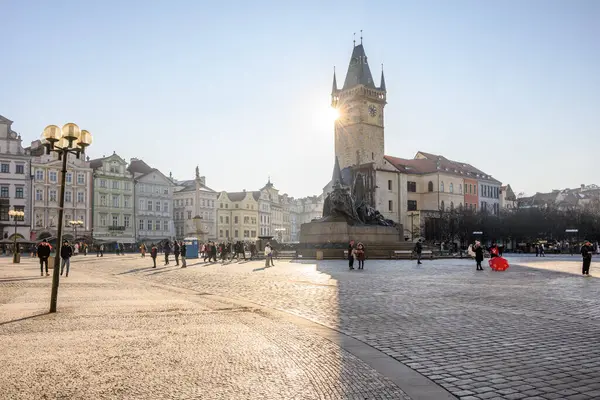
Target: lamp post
{"x": 68, "y": 140}
{"x": 75, "y": 224}
{"x": 16, "y": 215}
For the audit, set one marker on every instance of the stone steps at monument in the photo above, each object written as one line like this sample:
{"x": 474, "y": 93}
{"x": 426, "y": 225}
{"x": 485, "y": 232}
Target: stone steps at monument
{"x": 384, "y": 251}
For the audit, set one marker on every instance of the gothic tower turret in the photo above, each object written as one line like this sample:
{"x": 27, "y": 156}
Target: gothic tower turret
{"x": 359, "y": 137}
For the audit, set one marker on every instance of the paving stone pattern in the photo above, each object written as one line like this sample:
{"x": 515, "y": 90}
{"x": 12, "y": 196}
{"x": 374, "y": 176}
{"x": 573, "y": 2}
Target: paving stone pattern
{"x": 122, "y": 337}
{"x": 530, "y": 332}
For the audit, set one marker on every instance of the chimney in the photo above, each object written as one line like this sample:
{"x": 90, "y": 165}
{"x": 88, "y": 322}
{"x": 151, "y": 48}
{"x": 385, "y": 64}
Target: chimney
{"x": 133, "y": 159}
{"x": 583, "y": 186}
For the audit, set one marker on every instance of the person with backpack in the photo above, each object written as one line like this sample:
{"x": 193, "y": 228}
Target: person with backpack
{"x": 154, "y": 254}
{"x": 66, "y": 251}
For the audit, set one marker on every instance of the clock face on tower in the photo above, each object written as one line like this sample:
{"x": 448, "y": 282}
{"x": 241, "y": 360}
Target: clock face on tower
{"x": 373, "y": 110}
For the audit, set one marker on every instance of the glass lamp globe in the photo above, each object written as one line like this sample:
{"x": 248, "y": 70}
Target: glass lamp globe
{"x": 85, "y": 139}
{"x": 62, "y": 143}
{"x": 52, "y": 133}
{"x": 71, "y": 131}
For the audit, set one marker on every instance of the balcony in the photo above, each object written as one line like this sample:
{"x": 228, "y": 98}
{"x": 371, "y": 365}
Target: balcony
{"x": 116, "y": 228}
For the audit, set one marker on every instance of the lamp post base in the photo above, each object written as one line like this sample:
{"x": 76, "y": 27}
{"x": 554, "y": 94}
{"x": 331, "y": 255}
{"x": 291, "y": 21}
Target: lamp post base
{"x": 16, "y": 258}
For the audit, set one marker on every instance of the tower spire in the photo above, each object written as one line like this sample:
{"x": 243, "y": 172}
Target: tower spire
{"x": 361, "y": 36}
{"x": 382, "y": 84}
{"x": 354, "y": 39}
{"x": 334, "y": 89}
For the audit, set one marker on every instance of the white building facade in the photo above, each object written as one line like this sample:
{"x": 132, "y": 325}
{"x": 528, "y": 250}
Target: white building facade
{"x": 113, "y": 205}
{"x": 15, "y": 182}
{"x": 153, "y": 203}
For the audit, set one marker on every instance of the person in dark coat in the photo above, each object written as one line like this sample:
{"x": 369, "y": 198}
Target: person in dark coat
{"x": 43, "y": 252}
{"x": 183, "y": 249}
{"x": 418, "y": 251}
{"x": 176, "y": 252}
{"x": 167, "y": 250}
{"x": 66, "y": 251}
{"x": 351, "y": 254}
{"x": 586, "y": 253}
{"x": 154, "y": 254}
{"x": 478, "y": 249}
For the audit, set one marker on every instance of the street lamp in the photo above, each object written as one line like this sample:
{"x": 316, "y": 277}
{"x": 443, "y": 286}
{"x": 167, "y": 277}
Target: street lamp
{"x": 75, "y": 224}
{"x": 68, "y": 140}
{"x": 16, "y": 216}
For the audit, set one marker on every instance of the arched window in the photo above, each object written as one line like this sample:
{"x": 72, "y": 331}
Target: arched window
{"x": 451, "y": 187}
{"x": 430, "y": 186}
{"x": 441, "y": 186}
{"x": 442, "y": 206}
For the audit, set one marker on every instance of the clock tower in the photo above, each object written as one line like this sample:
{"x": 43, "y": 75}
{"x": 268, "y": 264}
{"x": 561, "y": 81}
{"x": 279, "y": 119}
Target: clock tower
{"x": 359, "y": 138}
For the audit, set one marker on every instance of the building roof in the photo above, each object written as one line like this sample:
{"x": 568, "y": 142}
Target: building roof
{"x": 457, "y": 167}
{"x": 429, "y": 163}
{"x": 190, "y": 186}
{"x": 139, "y": 167}
{"x": 359, "y": 72}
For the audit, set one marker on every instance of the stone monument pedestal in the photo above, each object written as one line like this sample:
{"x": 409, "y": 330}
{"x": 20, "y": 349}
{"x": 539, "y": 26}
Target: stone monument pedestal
{"x": 315, "y": 233}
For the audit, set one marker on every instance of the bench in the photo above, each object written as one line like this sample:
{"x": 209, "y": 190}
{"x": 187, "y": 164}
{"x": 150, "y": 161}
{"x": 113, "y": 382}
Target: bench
{"x": 287, "y": 254}
{"x": 424, "y": 254}
{"x": 399, "y": 253}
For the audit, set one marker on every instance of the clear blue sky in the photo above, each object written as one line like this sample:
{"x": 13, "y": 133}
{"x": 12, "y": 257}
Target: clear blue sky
{"x": 241, "y": 88}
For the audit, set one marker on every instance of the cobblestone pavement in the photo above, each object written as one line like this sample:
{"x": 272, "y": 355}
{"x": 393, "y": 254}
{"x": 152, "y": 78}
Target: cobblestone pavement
{"x": 530, "y": 332}
{"x": 118, "y": 337}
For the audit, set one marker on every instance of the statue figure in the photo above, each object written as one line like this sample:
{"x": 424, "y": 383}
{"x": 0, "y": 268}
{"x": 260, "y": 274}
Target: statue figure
{"x": 197, "y": 172}
{"x": 352, "y": 207}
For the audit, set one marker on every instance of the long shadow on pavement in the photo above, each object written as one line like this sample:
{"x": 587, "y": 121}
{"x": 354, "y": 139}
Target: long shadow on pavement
{"x": 23, "y": 319}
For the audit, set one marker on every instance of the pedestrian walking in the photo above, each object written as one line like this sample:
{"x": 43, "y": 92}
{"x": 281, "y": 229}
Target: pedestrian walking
{"x": 586, "y": 253}
{"x": 183, "y": 249}
{"x": 143, "y": 250}
{"x": 101, "y": 250}
{"x": 43, "y": 252}
{"x": 153, "y": 254}
{"x": 478, "y": 249}
{"x": 66, "y": 251}
{"x": 269, "y": 256}
{"x": 360, "y": 255}
{"x": 542, "y": 250}
{"x": 351, "y": 254}
{"x": 176, "y": 252}
{"x": 167, "y": 251}
{"x": 418, "y": 251}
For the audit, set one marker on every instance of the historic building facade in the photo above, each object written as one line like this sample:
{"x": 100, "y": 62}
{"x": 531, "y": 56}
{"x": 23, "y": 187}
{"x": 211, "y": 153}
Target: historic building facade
{"x": 153, "y": 203}
{"x": 114, "y": 197}
{"x": 46, "y": 172}
{"x": 237, "y": 215}
{"x": 194, "y": 206}
{"x": 15, "y": 182}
